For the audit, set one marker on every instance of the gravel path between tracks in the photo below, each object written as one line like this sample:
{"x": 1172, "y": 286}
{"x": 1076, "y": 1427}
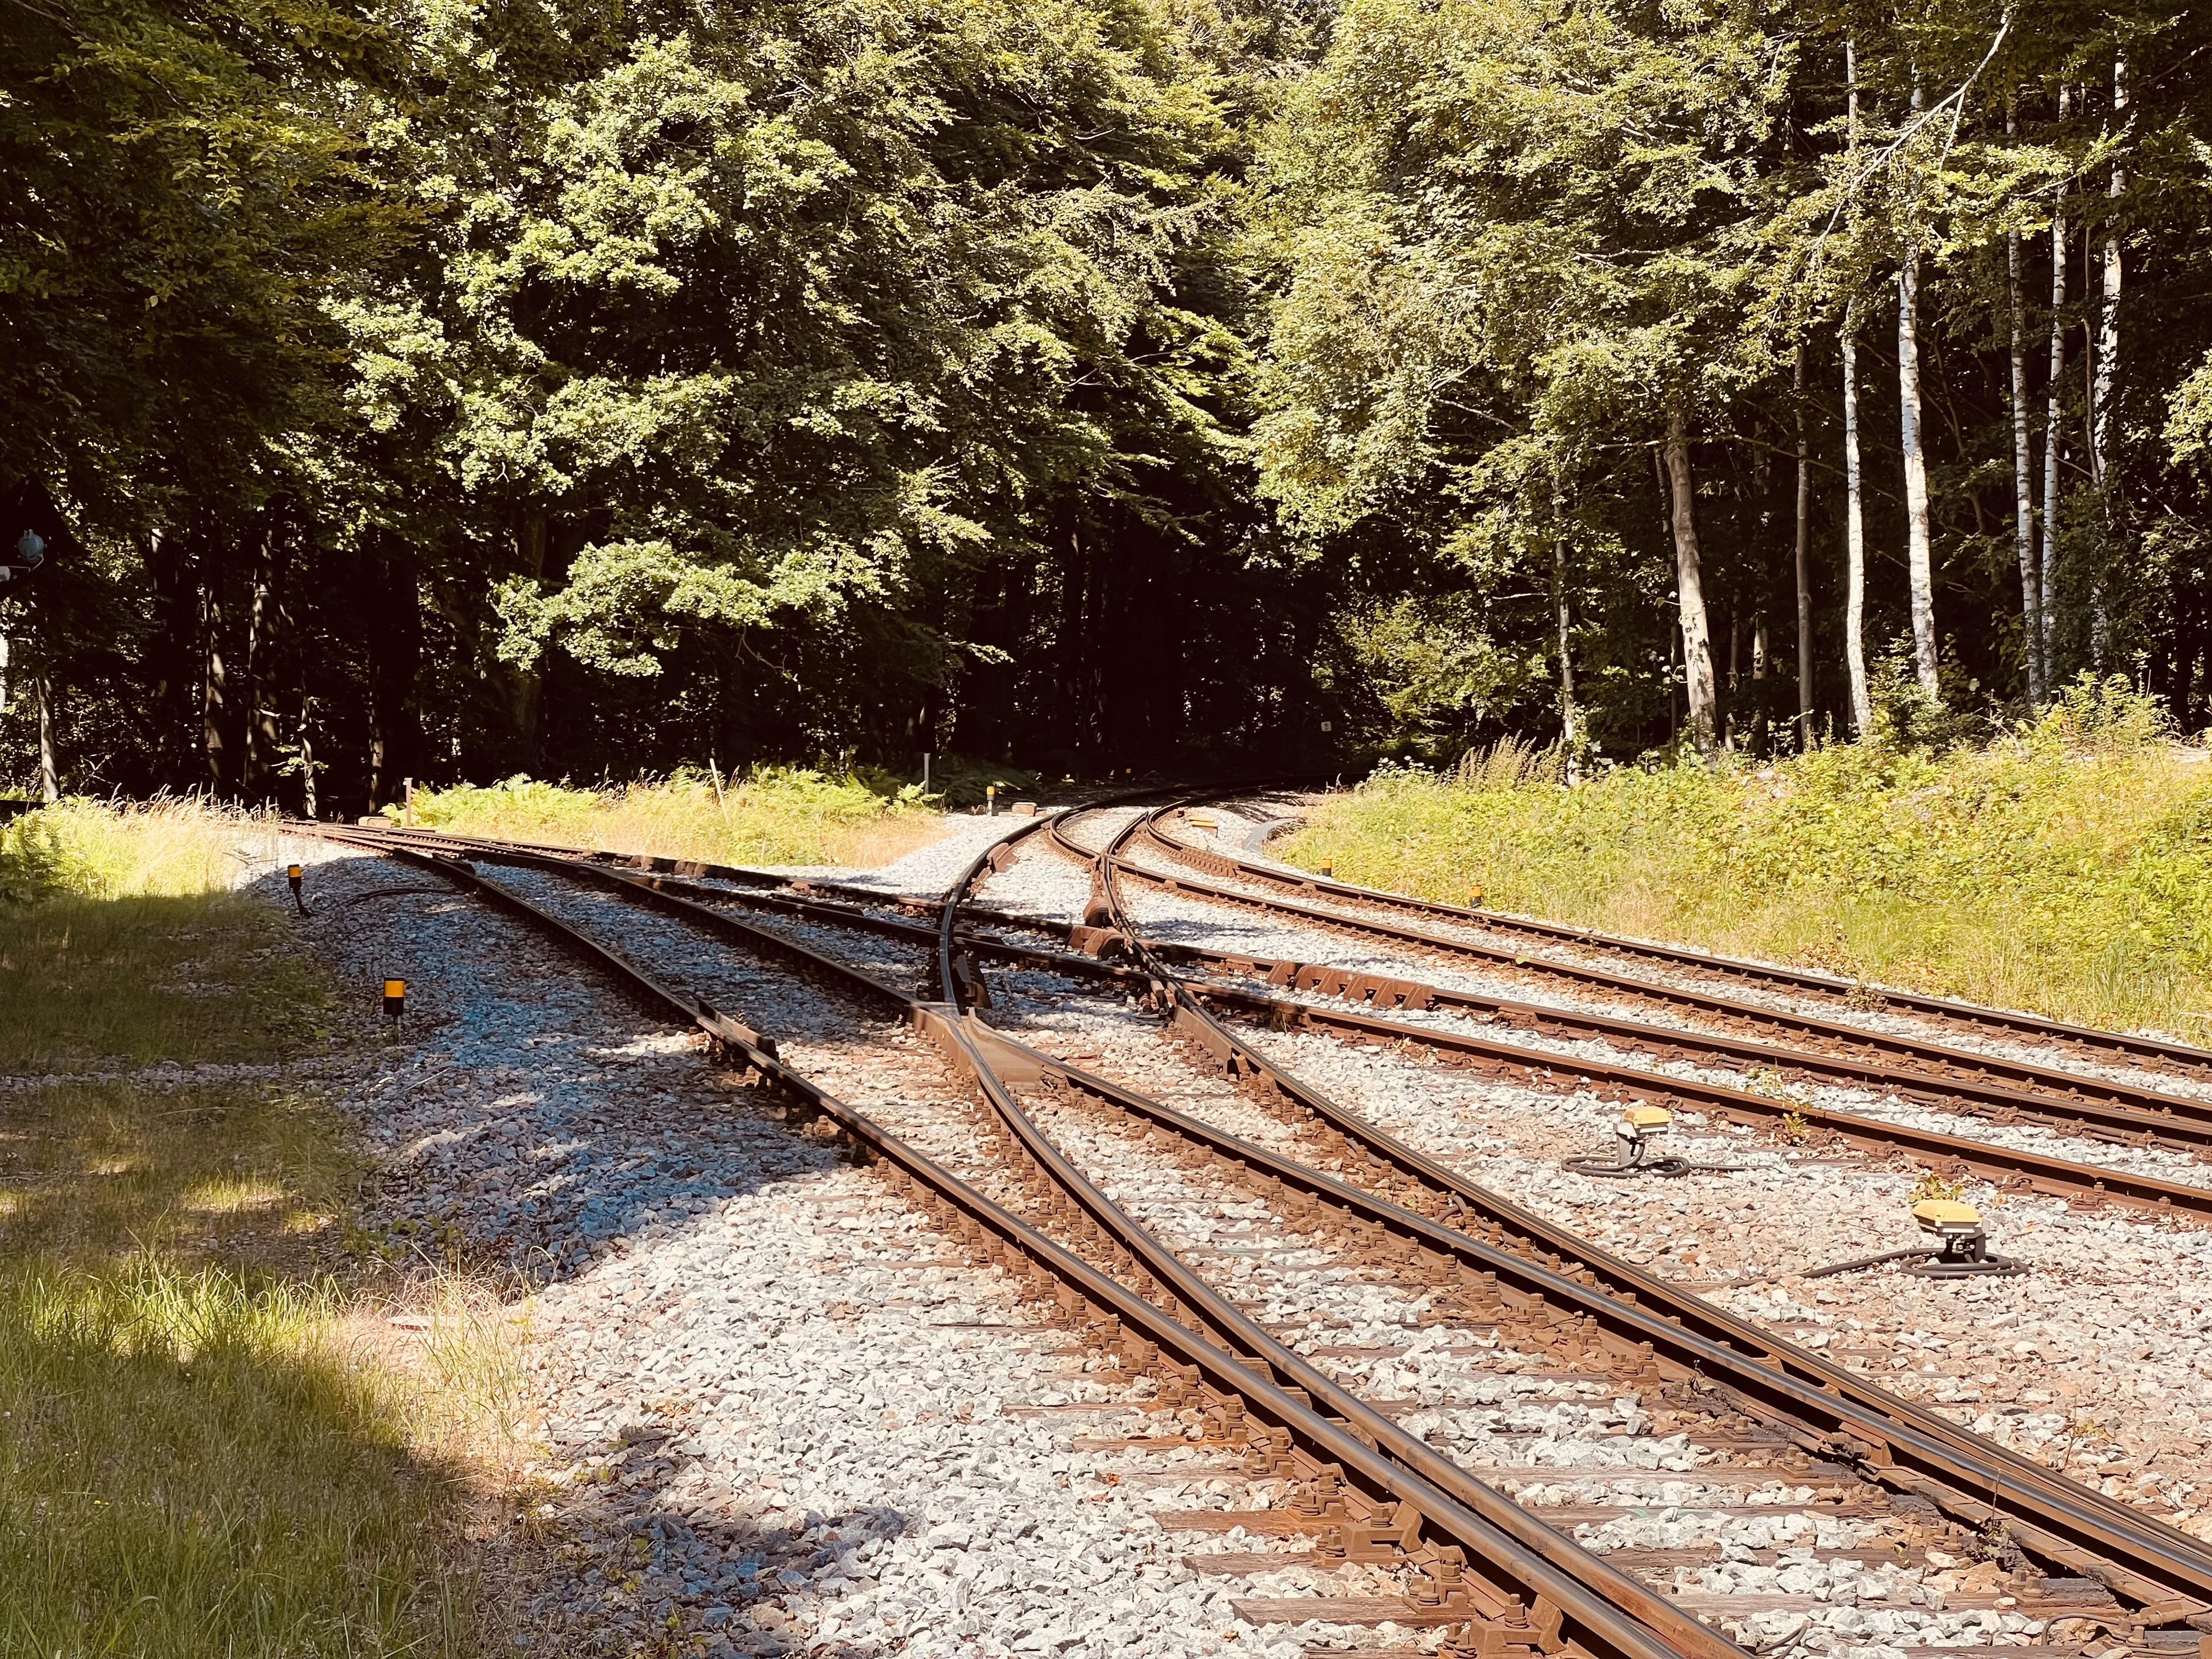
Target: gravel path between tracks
{"x": 778, "y": 1414}
{"x": 930, "y": 869}
{"x": 2100, "y": 1355}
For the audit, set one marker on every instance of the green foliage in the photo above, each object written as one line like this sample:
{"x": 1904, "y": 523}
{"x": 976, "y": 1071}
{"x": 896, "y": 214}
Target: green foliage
{"x": 446, "y": 392}
{"x": 2060, "y": 868}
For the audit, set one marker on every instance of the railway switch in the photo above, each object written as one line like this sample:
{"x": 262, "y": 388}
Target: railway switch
{"x": 1638, "y": 1129}
{"x": 1962, "y": 1244}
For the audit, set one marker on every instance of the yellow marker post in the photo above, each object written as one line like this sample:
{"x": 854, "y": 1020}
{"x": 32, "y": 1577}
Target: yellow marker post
{"x": 292, "y": 874}
{"x": 1328, "y": 867}
{"x": 991, "y": 800}
{"x": 395, "y": 1000}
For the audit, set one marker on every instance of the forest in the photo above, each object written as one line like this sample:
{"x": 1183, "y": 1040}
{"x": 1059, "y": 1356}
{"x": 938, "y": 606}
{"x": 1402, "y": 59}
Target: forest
{"x": 402, "y": 389}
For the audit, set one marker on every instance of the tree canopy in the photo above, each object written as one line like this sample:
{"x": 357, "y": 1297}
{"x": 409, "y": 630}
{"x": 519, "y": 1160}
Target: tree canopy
{"x": 587, "y": 387}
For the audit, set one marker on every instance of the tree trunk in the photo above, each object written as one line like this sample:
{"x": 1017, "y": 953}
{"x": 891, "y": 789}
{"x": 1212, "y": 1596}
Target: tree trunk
{"x": 1570, "y": 732}
{"x": 1804, "y": 565}
{"x": 1854, "y": 536}
{"x": 2108, "y": 362}
{"x": 50, "y": 777}
{"x": 524, "y": 687}
{"x": 2031, "y": 578}
{"x": 215, "y": 684}
{"x": 2023, "y": 470}
{"x": 1689, "y": 581}
{"x": 258, "y": 750}
{"x": 2108, "y": 313}
{"x": 1919, "y": 562}
{"x": 395, "y": 646}
{"x": 307, "y": 799}
{"x": 2054, "y": 433}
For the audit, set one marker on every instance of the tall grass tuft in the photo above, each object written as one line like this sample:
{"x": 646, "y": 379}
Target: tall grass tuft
{"x": 2065, "y": 868}
{"x": 168, "y": 848}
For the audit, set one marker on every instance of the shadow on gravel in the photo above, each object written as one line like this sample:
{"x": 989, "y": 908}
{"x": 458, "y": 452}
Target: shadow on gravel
{"x": 713, "y": 1584}
{"x": 540, "y": 1122}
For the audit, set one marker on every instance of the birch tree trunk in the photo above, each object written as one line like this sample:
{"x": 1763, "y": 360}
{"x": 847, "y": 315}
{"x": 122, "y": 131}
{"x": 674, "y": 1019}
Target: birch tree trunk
{"x": 307, "y": 799}
{"x": 1569, "y": 719}
{"x": 1689, "y": 581}
{"x": 2108, "y": 315}
{"x": 2054, "y": 430}
{"x": 1804, "y": 566}
{"x": 2108, "y": 361}
{"x": 1919, "y": 563}
{"x": 2031, "y": 579}
{"x": 1854, "y": 536}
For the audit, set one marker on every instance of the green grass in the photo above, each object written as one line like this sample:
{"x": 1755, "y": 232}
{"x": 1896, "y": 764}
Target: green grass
{"x": 771, "y": 816}
{"x": 115, "y": 983}
{"x": 199, "y": 1454}
{"x": 2065, "y": 868}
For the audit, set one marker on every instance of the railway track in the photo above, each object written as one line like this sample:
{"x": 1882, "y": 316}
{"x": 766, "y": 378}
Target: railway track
{"x": 1491, "y": 1573}
{"x": 1917, "y": 1072}
{"x": 1484, "y": 1568}
{"x": 1913, "y": 1071}
{"x": 1363, "y": 909}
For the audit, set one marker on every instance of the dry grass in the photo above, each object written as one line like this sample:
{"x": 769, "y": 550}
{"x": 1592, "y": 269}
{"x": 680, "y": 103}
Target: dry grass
{"x": 769, "y": 818}
{"x": 210, "y": 1444}
{"x": 2062, "y": 869}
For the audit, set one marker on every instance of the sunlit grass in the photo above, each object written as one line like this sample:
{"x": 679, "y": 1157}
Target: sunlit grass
{"x": 187, "y": 1467}
{"x": 201, "y": 1452}
{"x": 2065, "y": 869}
{"x": 776, "y": 817}
{"x": 121, "y": 942}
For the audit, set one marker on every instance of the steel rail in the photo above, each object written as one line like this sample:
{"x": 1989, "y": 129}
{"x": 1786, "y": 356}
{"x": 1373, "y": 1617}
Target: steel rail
{"x": 1525, "y": 1581}
{"x": 2176, "y": 1123}
{"x": 1593, "y": 1595}
{"x": 2149, "y": 1051}
{"x": 1839, "y": 1037}
{"x": 2019, "y": 1167}
{"x": 2012, "y": 1166}
{"x": 2164, "y": 1573}
{"x": 2004, "y": 1483}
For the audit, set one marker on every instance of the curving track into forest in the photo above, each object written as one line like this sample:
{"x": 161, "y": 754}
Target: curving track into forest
{"x": 1202, "y": 1241}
